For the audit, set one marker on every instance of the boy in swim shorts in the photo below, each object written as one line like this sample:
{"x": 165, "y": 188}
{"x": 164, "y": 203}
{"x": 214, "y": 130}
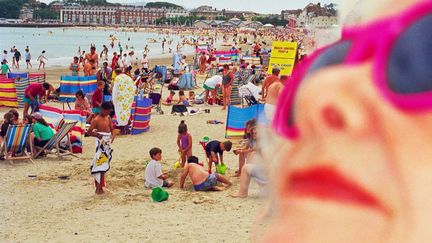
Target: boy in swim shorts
{"x": 201, "y": 179}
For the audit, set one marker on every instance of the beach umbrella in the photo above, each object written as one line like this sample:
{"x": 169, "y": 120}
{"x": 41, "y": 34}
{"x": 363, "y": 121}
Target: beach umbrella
{"x": 268, "y": 25}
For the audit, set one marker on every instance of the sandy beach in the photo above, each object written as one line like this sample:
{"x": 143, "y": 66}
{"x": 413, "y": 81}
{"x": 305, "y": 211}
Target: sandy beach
{"x": 47, "y": 208}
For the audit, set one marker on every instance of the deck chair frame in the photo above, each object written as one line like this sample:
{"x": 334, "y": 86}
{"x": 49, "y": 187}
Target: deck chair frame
{"x": 22, "y": 142}
{"x": 54, "y": 142}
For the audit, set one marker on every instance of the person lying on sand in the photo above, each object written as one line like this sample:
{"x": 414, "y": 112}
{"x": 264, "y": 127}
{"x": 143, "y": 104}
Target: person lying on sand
{"x": 201, "y": 179}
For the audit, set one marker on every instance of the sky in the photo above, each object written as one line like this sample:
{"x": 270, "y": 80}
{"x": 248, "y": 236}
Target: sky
{"x": 259, "y": 6}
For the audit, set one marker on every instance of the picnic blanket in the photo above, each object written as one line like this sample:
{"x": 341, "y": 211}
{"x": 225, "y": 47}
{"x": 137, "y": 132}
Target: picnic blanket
{"x": 123, "y": 97}
{"x": 102, "y": 158}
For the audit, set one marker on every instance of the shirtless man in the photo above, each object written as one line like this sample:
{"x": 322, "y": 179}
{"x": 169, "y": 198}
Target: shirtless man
{"x": 273, "y": 93}
{"x": 268, "y": 81}
{"x": 101, "y": 127}
{"x": 201, "y": 179}
{"x": 92, "y": 56}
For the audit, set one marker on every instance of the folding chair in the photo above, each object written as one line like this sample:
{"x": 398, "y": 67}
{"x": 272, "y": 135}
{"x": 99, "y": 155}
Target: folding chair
{"x": 16, "y": 140}
{"x": 63, "y": 132}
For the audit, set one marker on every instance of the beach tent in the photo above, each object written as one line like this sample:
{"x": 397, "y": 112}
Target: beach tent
{"x": 123, "y": 94}
{"x": 176, "y": 62}
{"x": 69, "y": 85}
{"x": 186, "y": 81}
{"x": 141, "y": 110}
{"x": 162, "y": 70}
{"x": 268, "y": 26}
{"x": 237, "y": 118}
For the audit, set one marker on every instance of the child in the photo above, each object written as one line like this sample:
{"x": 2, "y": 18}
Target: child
{"x": 27, "y": 120}
{"x": 191, "y": 97}
{"x": 28, "y": 58}
{"x": 215, "y": 147}
{"x": 8, "y": 120}
{"x": 182, "y": 99}
{"x": 101, "y": 127}
{"x": 184, "y": 143}
{"x": 82, "y": 103}
{"x": 153, "y": 175}
{"x": 41, "y": 130}
{"x": 42, "y": 60}
{"x": 97, "y": 97}
{"x": 15, "y": 116}
{"x": 201, "y": 179}
{"x": 4, "y": 67}
{"x": 74, "y": 66}
{"x": 170, "y": 98}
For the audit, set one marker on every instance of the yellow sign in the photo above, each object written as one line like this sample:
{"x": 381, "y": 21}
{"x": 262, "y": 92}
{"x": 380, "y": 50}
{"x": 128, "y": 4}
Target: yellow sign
{"x": 283, "y": 56}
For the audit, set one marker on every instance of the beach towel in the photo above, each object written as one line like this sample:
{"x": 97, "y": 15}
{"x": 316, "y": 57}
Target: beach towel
{"x": 123, "y": 97}
{"x": 102, "y": 158}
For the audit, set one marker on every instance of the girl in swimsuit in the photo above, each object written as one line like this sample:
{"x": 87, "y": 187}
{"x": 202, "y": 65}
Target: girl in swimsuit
{"x": 184, "y": 143}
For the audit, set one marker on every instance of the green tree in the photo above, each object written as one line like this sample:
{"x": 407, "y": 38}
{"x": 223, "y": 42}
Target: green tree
{"x": 45, "y": 13}
{"x": 10, "y": 9}
{"x": 224, "y": 18}
{"x": 163, "y": 5}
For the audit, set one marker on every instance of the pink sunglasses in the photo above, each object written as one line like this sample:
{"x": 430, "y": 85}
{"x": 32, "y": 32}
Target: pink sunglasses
{"x": 400, "y": 48}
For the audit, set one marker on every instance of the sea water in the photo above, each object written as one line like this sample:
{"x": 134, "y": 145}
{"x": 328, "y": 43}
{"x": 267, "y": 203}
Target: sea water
{"x": 61, "y": 44}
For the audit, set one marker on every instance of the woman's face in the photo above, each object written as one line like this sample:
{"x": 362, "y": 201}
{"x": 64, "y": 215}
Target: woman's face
{"x": 360, "y": 170}
{"x": 79, "y": 97}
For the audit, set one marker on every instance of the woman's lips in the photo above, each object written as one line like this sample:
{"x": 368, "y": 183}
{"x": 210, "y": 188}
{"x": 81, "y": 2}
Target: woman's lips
{"x": 326, "y": 183}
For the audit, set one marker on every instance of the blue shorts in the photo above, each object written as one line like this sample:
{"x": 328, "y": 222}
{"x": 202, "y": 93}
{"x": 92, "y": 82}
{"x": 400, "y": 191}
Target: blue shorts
{"x": 28, "y": 101}
{"x": 210, "y": 182}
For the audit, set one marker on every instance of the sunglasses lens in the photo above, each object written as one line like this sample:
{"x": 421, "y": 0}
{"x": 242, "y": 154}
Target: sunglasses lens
{"x": 332, "y": 56}
{"x": 409, "y": 68}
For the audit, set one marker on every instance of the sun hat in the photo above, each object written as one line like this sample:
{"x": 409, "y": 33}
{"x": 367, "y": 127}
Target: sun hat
{"x": 159, "y": 195}
{"x": 37, "y": 115}
{"x": 221, "y": 168}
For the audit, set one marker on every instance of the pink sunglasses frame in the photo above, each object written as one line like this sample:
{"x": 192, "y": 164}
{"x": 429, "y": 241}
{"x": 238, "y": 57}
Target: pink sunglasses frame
{"x": 372, "y": 41}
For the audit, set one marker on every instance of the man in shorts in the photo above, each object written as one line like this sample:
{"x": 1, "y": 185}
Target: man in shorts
{"x": 210, "y": 86}
{"x": 201, "y": 179}
{"x": 33, "y": 93}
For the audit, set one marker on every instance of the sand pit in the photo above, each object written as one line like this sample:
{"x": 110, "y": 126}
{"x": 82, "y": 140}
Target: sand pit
{"x": 49, "y": 208}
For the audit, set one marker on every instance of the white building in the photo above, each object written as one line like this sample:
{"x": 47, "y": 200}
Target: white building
{"x": 173, "y": 13}
{"x": 323, "y": 21}
{"x": 26, "y": 14}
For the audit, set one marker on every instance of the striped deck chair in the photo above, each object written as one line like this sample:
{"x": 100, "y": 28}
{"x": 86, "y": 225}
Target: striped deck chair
{"x": 16, "y": 140}
{"x": 54, "y": 143}
{"x": 235, "y": 96}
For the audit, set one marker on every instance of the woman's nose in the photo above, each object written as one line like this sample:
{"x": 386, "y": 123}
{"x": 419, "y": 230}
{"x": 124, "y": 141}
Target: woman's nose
{"x": 332, "y": 102}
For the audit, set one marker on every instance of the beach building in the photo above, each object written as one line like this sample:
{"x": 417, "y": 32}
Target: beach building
{"x": 116, "y": 15}
{"x": 26, "y": 14}
{"x": 313, "y": 15}
{"x": 175, "y": 13}
{"x": 208, "y": 12}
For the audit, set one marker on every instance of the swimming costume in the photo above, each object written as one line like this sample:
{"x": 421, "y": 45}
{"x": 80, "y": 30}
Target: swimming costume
{"x": 210, "y": 182}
